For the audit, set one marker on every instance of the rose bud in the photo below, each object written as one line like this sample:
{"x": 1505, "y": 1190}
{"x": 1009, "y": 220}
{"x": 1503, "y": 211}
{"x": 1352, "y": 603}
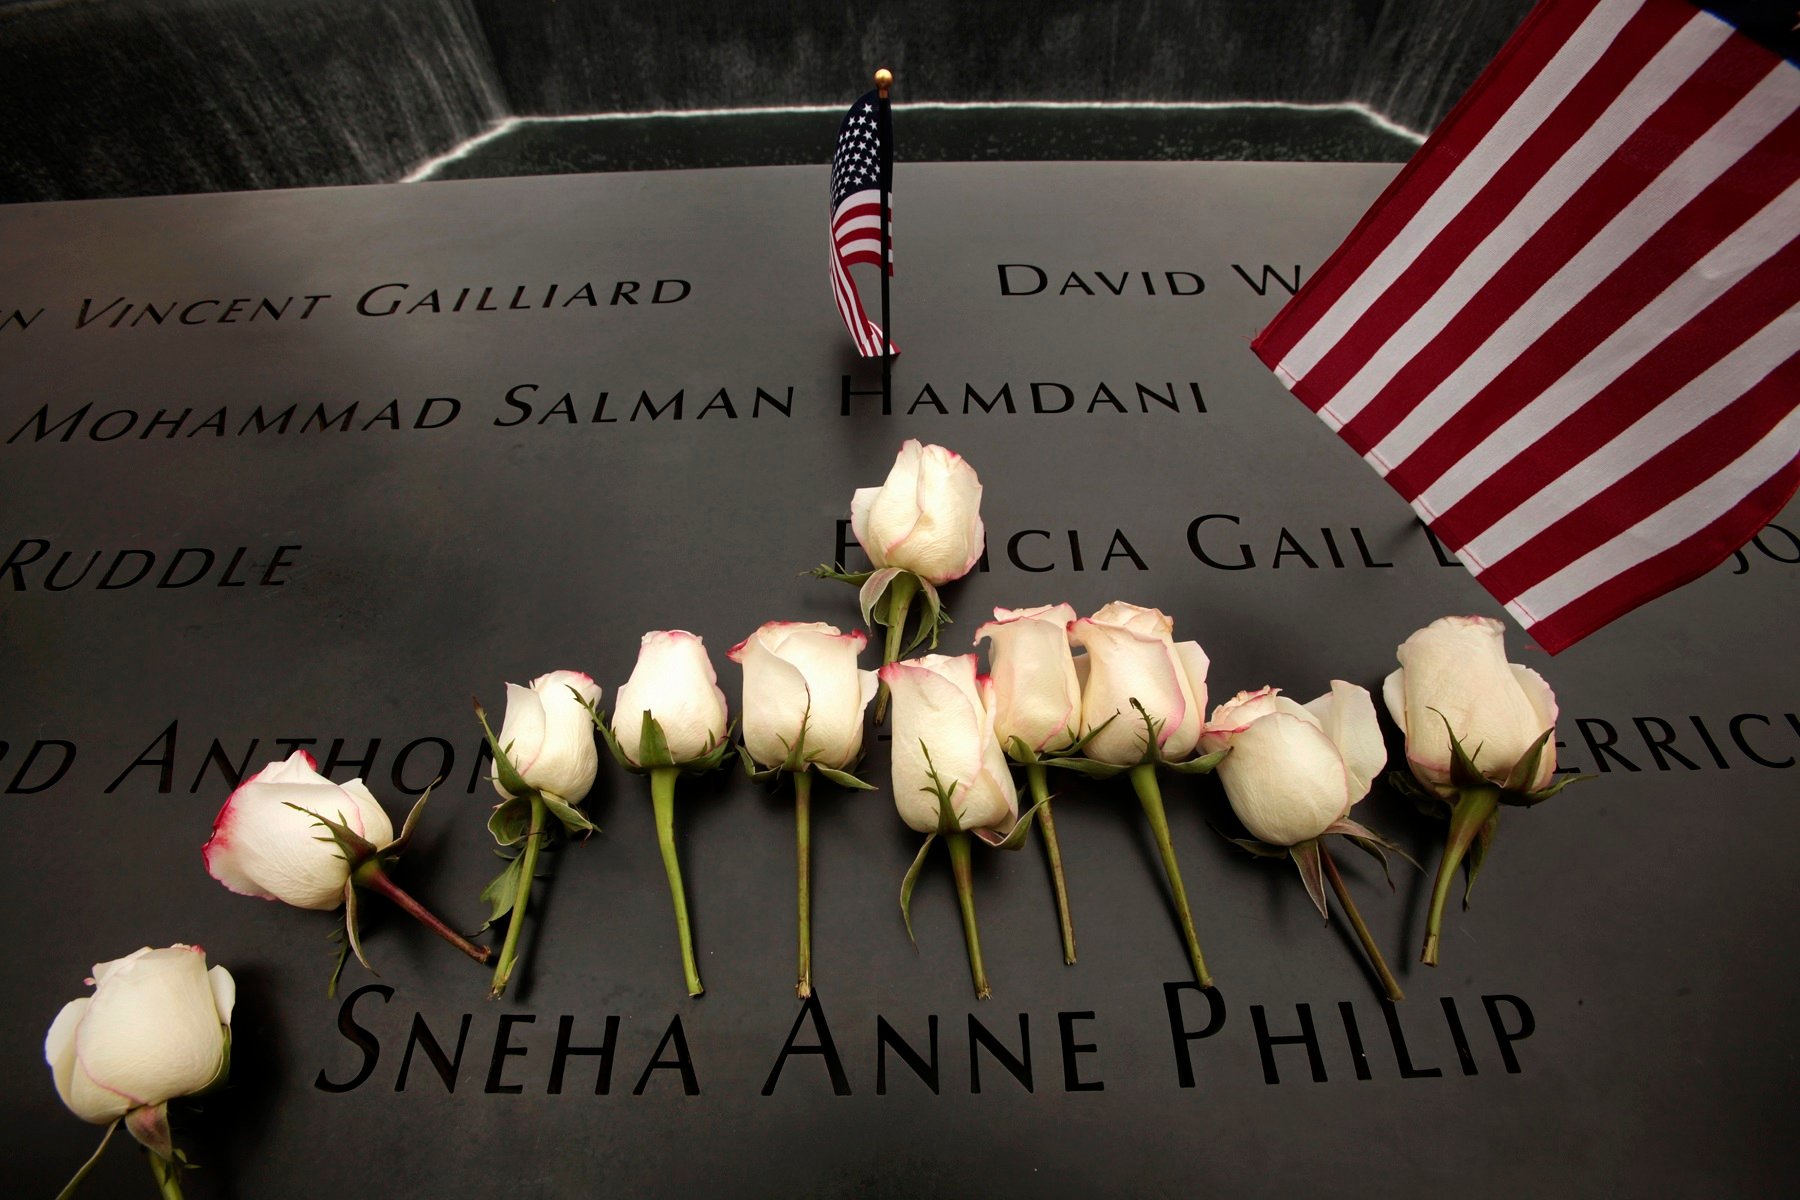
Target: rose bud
{"x": 1480, "y": 732}
{"x": 288, "y": 833}
{"x": 804, "y": 696}
{"x": 920, "y": 528}
{"x": 1132, "y": 656}
{"x": 1037, "y": 714}
{"x": 157, "y": 1027}
{"x": 942, "y": 709}
{"x": 1037, "y": 694}
{"x": 925, "y": 518}
{"x": 266, "y": 840}
{"x": 1295, "y": 770}
{"x": 671, "y": 718}
{"x": 1292, "y": 772}
{"x": 544, "y": 765}
{"x": 673, "y": 682}
{"x": 1455, "y": 671}
{"x": 548, "y": 735}
{"x": 950, "y": 776}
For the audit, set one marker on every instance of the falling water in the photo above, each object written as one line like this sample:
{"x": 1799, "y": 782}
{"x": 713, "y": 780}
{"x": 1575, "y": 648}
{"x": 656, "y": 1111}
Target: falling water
{"x": 149, "y": 96}
{"x": 127, "y": 97}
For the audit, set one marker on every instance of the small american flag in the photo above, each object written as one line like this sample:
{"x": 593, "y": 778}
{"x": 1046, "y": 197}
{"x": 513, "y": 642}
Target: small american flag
{"x": 862, "y": 178}
{"x": 1569, "y": 331}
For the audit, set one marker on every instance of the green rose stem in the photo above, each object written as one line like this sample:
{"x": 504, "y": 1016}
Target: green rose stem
{"x": 662, "y": 796}
{"x": 803, "y": 856}
{"x": 1035, "y": 776}
{"x": 1474, "y": 808}
{"x": 168, "y": 1176}
{"x": 900, "y": 595}
{"x": 1143, "y": 780}
{"x": 371, "y": 876}
{"x": 1389, "y": 984}
{"x": 965, "y": 899}
{"x": 515, "y": 923}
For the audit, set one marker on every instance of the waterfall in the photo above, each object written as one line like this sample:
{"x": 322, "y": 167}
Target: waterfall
{"x": 1423, "y": 54}
{"x": 126, "y": 97}
{"x": 152, "y": 96}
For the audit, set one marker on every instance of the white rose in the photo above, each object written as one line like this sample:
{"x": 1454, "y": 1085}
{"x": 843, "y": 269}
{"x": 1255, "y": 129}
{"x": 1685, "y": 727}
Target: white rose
{"x": 549, "y": 735}
{"x": 675, "y": 683}
{"x": 1132, "y": 655}
{"x": 156, "y": 1027}
{"x": 1294, "y": 770}
{"x": 800, "y": 676}
{"x": 262, "y": 847}
{"x": 940, "y": 707}
{"x": 926, "y": 518}
{"x": 1457, "y": 666}
{"x": 1037, "y": 695}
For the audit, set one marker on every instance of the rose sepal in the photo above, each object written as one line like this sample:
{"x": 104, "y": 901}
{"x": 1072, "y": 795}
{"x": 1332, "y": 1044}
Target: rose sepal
{"x": 1373, "y": 844}
{"x": 1092, "y": 768}
{"x": 890, "y": 593}
{"x": 1202, "y": 765}
{"x": 886, "y": 598}
{"x": 836, "y": 571}
{"x": 368, "y": 865}
{"x": 653, "y": 747}
{"x": 773, "y": 774}
{"x": 1514, "y": 791}
{"x": 1069, "y": 757}
{"x": 797, "y": 762}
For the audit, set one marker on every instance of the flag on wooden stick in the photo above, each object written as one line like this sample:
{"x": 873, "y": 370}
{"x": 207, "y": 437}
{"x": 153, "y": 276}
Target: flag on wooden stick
{"x": 1569, "y": 331}
{"x": 862, "y": 180}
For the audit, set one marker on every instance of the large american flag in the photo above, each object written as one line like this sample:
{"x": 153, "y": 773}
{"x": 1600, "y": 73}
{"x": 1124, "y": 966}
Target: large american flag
{"x": 1569, "y": 332}
{"x": 862, "y": 178}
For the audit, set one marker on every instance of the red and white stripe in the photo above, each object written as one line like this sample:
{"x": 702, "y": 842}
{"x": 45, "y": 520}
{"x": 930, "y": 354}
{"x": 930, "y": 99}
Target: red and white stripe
{"x": 856, "y": 238}
{"x": 1569, "y": 332}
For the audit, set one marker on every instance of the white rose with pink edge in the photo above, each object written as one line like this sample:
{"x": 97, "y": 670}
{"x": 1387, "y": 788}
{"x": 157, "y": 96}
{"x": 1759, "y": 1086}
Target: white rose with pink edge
{"x": 1132, "y": 655}
{"x": 1295, "y": 770}
{"x": 944, "y": 737}
{"x": 266, "y": 839}
{"x": 925, "y": 517}
{"x": 1037, "y": 692}
{"x": 673, "y": 682}
{"x": 158, "y": 1027}
{"x": 1455, "y": 671}
{"x": 548, "y": 734}
{"x": 803, "y": 693}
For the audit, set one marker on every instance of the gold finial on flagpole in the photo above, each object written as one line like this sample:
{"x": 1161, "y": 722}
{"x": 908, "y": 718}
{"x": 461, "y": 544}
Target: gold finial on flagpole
{"x": 884, "y": 79}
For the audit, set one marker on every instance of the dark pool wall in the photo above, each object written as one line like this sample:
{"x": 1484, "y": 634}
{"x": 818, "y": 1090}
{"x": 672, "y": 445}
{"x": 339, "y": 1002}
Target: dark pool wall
{"x": 131, "y": 97}
{"x": 135, "y": 97}
{"x": 1410, "y": 58}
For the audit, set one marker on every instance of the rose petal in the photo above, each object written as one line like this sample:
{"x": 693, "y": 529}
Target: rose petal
{"x": 675, "y": 683}
{"x": 1285, "y": 779}
{"x": 152, "y": 1030}
{"x": 1346, "y": 715}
